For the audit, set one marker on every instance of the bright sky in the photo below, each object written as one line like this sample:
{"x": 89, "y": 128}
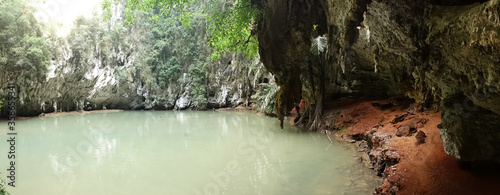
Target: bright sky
{"x": 64, "y": 12}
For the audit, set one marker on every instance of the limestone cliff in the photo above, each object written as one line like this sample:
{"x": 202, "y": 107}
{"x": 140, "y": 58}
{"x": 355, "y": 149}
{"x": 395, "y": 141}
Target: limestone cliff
{"x": 111, "y": 65}
{"x": 72, "y": 85}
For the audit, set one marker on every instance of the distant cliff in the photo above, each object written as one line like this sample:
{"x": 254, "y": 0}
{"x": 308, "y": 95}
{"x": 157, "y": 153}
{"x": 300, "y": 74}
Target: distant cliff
{"x": 111, "y": 65}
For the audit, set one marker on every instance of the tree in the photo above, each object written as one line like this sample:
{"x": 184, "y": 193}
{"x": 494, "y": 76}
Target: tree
{"x": 231, "y": 24}
{"x": 175, "y": 48}
{"x": 318, "y": 46}
{"x": 199, "y": 77}
{"x": 24, "y": 51}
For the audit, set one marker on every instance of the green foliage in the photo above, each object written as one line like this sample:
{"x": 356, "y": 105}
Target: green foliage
{"x": 318, "y": 45}
{"x": 121, "y": 73}
{"x": 169, "y": 72}
{"x": 107, "y": 43}
{"x": 92, "y": 38}
{"x": 176, "y": 47}
{"x": 266, "y": 97}
{"x": 342, "y": 131}
{"x": 23, "y": 49}
{"x": 231, "y": 27}
{"x": 2, "y": 188}
{"x": 198, "y": 75}
{"x": 170, "y": 48}
{"x": 134, "y": 6}
{"x": 230, "y": 24}
{"x": 3, "y": 191}
{"x": 1, "y": 104}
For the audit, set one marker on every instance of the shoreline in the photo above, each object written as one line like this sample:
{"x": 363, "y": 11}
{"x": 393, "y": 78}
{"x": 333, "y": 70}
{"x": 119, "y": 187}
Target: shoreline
{"x": 68, "y": 113}
{"x": 401, "y": 142}
{"x": 55, "y": 114}
{"x": 408, "y": 163}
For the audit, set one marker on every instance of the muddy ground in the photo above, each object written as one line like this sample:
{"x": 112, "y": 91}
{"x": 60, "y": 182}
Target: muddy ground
{"x": 401, "y": 142}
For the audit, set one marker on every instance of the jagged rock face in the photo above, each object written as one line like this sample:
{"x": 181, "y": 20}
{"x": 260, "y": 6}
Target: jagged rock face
{"x": 426, "y": 50}
{"x": 469, "y": 131}
{"x": 112, "y": 65}
{"x": 234, "y": 81}
{"x": 464, "y": 44}
{"x": 376, "y": 44}
{"x": 284, "y": 41}
{"x": 71, "y": 85}
{"x": 464, "y": 63}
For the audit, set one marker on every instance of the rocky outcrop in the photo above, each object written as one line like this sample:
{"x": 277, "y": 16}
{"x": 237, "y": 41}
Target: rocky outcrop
{"x": 72, "y": 86}
{"x": 379, "y": 156}
{"x": 470, "y": 132}
{"x": 103, "y": 65}
{"x": 284, "y": 41}
{"x": 410, "y": 127}
{"x": 429, "y": 51}
{"x": 234, "y": 81}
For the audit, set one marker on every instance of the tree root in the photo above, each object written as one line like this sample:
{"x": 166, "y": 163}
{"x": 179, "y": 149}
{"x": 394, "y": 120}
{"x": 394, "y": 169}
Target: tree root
{"x": 328, "y": 136}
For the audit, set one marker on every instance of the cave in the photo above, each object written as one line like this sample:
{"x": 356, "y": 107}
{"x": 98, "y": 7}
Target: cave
{"x": 424, "y": 51}
{"x": 412, "y": 85}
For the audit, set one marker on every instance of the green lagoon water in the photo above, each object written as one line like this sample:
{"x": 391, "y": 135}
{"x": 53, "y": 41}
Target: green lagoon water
{"x": 178, "y": 152}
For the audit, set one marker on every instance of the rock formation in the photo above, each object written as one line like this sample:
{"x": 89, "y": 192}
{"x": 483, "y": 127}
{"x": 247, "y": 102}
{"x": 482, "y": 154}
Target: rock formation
{"x": 443, "y": 54}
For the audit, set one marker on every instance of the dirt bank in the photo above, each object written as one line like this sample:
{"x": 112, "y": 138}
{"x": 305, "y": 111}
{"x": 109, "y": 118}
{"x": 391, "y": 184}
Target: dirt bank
{"x": 402, "y": 143}
{"x": 53, "y": 114}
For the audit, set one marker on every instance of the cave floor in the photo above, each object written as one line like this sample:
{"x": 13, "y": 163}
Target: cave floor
{"x": 423, "y": 168}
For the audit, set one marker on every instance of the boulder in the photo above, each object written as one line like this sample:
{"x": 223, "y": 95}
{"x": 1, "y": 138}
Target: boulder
{"x": 420, "y": 138}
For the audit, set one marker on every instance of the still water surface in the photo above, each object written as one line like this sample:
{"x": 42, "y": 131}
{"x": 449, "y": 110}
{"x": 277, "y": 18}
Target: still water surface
{"x": 184, "y": 152}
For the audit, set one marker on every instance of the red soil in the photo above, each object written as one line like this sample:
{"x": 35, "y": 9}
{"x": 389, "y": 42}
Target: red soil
{"x": 423, "y": 169}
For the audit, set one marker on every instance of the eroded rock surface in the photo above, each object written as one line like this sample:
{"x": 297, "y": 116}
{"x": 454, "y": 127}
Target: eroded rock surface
{"x": 425, "y": 50}
{"x": 72, "y": 85}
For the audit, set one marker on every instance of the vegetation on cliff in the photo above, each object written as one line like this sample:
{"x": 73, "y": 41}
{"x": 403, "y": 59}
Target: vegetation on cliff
{"x": 231, "y": 25}
{"x": 173, "y": 59}
{"x": 24, "y": 51}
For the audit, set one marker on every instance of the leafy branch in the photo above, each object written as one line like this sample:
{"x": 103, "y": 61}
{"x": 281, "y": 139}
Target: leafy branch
{"x": 229, "y": 23}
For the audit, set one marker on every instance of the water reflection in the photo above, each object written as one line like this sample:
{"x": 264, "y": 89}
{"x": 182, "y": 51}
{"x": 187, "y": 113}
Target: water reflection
{"x": 184, "y": 152}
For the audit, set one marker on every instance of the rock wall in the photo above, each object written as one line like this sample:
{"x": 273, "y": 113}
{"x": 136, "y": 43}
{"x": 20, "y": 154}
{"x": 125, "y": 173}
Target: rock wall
{"x": 443, "y": 54}
{"x": 73, "y": 86}
{"x": 85, "y": 77}
{"x": 284, "y": 43}
{"x": 107, "y": 65}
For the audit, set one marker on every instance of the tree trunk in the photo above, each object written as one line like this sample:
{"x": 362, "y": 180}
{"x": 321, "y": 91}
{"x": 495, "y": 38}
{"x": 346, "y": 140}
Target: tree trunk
{"x": 318, "y": 111}
{"x": 319, "y": 94}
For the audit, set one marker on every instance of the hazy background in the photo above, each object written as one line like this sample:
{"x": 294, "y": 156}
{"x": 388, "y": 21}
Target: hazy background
{"x": 64, "y": 12}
